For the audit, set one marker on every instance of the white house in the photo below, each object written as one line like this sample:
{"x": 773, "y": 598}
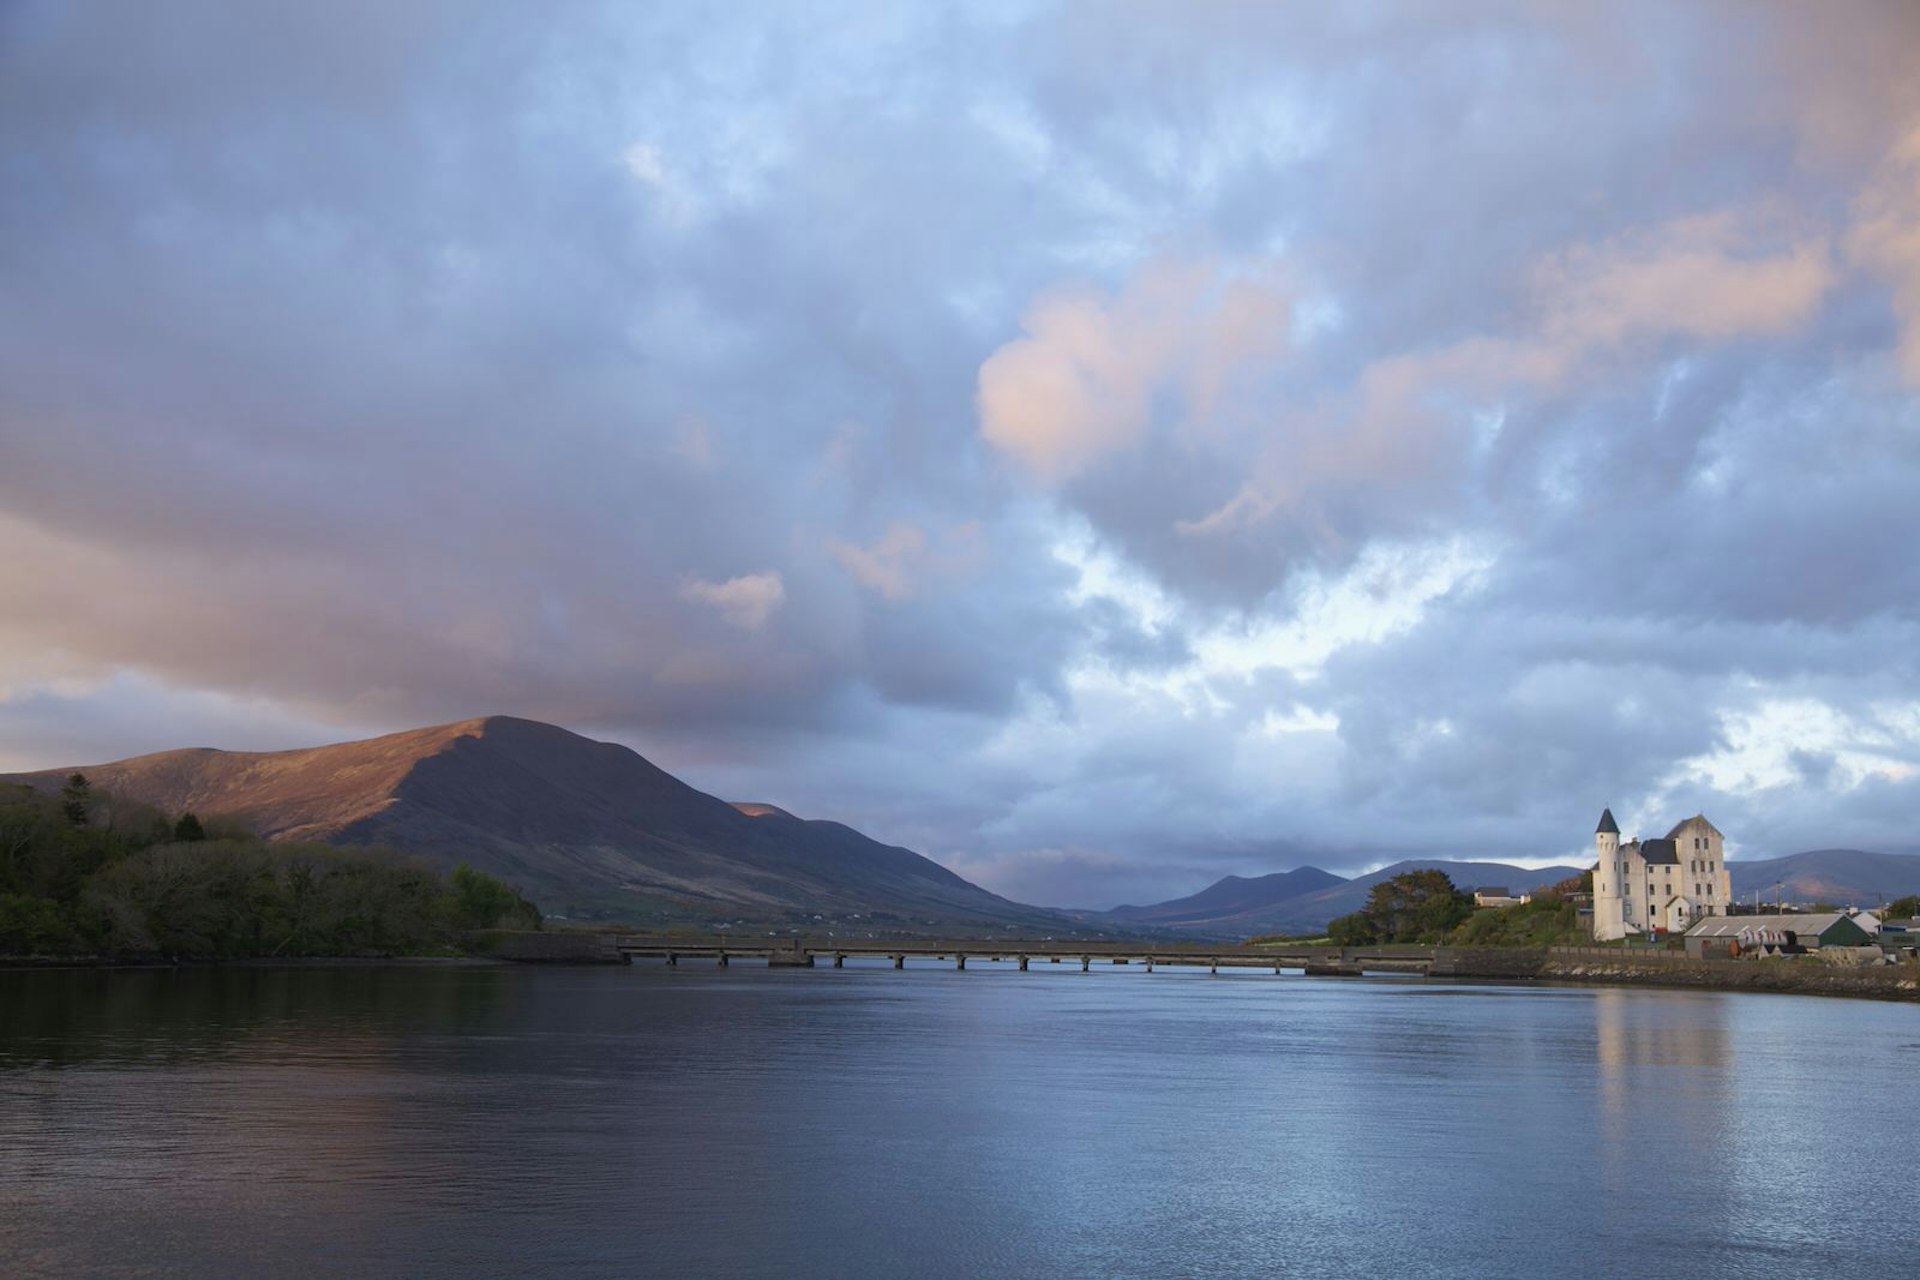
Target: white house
{"x": 1668, "y": 884}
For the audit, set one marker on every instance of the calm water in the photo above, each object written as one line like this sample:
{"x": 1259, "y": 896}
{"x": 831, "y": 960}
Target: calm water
{"x": 704, "y": 1122}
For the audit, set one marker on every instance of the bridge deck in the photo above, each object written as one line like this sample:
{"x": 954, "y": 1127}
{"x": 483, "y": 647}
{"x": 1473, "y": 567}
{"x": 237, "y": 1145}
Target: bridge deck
{"x": 805, "y": 951}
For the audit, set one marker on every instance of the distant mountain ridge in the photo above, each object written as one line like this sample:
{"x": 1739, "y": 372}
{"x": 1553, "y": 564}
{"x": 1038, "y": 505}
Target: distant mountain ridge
{"x": 1304, "y": 900}
{"x": 1844, "y": 877}
{"x": 585, "y": 828}
{"x": 1233, "y": 896}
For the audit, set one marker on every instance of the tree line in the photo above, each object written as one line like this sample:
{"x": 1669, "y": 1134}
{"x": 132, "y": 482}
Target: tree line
{"x": 89, "y": 873}
{"x": 1425, "y": 907}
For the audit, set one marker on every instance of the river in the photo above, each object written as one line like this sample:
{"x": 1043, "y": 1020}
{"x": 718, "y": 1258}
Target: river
{"x": 456, "y": 1121}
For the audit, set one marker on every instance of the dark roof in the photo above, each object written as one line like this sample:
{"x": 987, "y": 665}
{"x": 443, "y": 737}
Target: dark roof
{"x": 1494, "y": 891}
{"x": 1659, "y": 852}
{"x": 1607, "y": 825}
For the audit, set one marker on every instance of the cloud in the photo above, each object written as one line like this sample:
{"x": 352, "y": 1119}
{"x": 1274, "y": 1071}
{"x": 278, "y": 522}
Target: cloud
{"x": 1886, "y": 238}
{"x": 1230, "y": 437}
{"x": 1083, "y": 383}
{"x": 1712, "y": 277}
{"x": 745, "y": 602}
{"x": 905, "y": 561}
{"x": 890, "y": 566}
{"x": 643, "y": 162}
{"x": 1406, "y": 423}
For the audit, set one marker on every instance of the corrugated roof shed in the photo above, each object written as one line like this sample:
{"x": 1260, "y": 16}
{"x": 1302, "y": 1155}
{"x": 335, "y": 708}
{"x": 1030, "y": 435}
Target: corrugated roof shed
{"x": 1806, "y": 928}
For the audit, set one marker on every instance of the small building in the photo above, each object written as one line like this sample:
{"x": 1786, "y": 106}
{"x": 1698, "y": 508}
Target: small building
{"x": 1745, "y": 935}
{"x": 1497, "y": 896}
{"x": 1900, "y": 937}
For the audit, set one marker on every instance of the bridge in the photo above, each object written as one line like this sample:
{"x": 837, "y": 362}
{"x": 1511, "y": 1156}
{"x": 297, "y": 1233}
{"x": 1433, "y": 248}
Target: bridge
{"x": 1316, "y": 961}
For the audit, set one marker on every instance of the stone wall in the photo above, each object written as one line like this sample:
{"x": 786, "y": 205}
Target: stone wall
{"x": 555, "y": 947}
{"x": 1806, "y": 974}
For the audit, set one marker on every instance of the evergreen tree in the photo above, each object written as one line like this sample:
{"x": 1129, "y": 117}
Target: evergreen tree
{"x": 188, "y": 829}
{"x": 75, "y": 799}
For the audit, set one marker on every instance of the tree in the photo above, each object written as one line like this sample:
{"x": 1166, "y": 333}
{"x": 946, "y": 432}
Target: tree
{"x": 75, "y": 799}
{"x": 1904, "y": 908}
{"x": 1416, "y": 906}
{"x": 1351, "y": 931}
{"x": 482, "y": 902}
{"x": 188, "y": 829}
{"x": 1581, "y": 883}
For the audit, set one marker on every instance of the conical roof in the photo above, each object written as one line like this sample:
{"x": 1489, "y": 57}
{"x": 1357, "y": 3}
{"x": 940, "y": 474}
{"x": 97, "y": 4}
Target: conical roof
{"x": 1607, "y": 827}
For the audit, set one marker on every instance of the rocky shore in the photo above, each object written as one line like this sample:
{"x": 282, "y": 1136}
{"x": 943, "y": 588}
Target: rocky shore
{"x": 1803, "y": 975}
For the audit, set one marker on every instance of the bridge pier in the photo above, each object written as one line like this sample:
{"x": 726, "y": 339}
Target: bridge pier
{"x": 1086, "y": 963}
{"x": 672, "y": 959}
{"x": 839, "y": 960}
{"x": 899, "y": 962}
{"x": 723, "y": 959}
{"x": 1214, "y": 967}
{"x": 960, "y": 963}
{"x": 1149, "y": 964}
{"x": 1023, "y": 964}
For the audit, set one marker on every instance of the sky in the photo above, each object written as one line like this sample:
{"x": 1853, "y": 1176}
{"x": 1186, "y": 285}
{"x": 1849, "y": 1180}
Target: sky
{"x": 1104, "y": 447}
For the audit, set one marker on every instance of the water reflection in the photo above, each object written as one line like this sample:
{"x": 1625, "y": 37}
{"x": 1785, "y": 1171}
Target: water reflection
{"x": 71, "y": 1017}
{"x": 1667, "y": 1100}
{"x": 871, "y": 1123}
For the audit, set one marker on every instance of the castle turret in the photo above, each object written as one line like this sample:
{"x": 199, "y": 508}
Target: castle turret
{"x": 1608, "y": 919}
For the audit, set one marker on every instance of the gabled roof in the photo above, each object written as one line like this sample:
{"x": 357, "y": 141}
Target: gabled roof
{"x": 1813, "y": 924}
{"x": 1607, "y": 827}
{"x": 1774, "y": 927}
{"x": 1696, "y": 825}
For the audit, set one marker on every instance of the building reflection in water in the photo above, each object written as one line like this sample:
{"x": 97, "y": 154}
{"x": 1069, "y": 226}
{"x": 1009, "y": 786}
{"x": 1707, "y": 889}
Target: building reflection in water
{"x": 1665, "y": 1065}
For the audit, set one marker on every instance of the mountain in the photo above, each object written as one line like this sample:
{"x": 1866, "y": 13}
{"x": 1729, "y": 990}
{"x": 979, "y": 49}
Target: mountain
{"x": 587, "y": 829}
{"x": 1303, "y": 901}
{"x": 1231, "y": 897}
{"x": 1845, "y": 877}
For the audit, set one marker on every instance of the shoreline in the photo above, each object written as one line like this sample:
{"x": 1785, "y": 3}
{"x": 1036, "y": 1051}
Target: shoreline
{"x": 1605, "y": 967}
{"x": 1569, "y": 966}
{"x": 38, "y": 964}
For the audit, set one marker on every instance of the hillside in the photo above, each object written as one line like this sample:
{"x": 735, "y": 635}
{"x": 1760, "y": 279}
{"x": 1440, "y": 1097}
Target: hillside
{"x": 1231, "y": 897}
{"x": 588, "y": 829}
{"x": 1845, "y": 877}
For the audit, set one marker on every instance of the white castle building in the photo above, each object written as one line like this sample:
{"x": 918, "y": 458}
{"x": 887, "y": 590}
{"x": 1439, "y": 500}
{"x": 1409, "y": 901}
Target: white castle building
{"x": 1669, "y": 883}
